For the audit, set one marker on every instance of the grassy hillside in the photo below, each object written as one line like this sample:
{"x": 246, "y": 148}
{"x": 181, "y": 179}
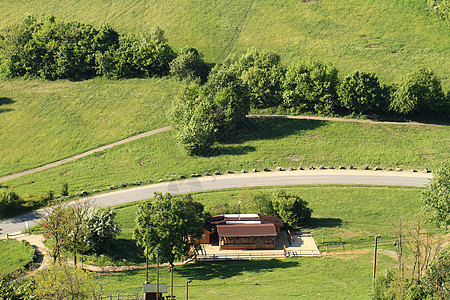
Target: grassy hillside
{"x": 267, "y": 143}
{"x": 389, "y": 37}
{"x": 15, "y": 255}
{"x": 43, "y": 121}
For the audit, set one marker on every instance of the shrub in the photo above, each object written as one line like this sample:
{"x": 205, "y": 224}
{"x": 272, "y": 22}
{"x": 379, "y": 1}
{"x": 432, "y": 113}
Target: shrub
{"x": 189, "y": 65}
{"x": 360, "y": 93}
{"x": 420, "y": 94}
{"x": 311, "y": 87}
{"x": 291, "y": 208}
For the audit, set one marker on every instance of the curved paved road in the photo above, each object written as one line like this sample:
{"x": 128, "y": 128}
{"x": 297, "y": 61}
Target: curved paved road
{"x": 16, "y": 224}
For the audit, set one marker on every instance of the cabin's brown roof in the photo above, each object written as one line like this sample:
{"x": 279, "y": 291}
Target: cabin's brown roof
{"x": 239, "y": 230}
{"x": 222, "y": 219}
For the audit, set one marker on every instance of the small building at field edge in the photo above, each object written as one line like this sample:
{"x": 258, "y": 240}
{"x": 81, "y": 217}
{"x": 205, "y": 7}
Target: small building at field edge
{"x": 242, "y": 231}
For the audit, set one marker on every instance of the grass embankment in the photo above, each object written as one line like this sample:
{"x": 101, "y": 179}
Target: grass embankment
{"x": 14, "y": 256}
{"x": 266, "y": 143}
{"x": 387, "y": 37}
{"x": 355, "y": 213}
{"x": 339, "y": 277}
{"x": 43, "y": 121}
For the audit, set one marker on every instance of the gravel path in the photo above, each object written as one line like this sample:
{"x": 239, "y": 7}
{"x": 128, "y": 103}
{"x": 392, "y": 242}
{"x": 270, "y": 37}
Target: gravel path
{"x": 59, "y": 162}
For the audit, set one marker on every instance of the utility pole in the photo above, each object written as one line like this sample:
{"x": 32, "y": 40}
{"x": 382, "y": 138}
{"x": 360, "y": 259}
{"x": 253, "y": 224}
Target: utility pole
{"x": 187, "y": 289}
{"x": 146, "y": 273}
{"x": 375, "y": 261}
{"x": 157, "y": 273}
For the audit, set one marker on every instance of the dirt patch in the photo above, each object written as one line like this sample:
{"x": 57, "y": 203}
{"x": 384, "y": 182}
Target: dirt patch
{"x": 295, "y": 157}
{"x": 336, "y": 253}
{"x": 311, "y": 1}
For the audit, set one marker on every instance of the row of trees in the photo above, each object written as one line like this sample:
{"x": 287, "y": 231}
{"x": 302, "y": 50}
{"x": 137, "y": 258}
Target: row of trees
{"x": 203, "y": 114}
{"x": 55, "y": 50}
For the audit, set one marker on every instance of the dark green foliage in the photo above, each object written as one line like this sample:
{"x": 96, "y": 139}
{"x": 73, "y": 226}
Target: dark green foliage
{"x": 263, "y": 73}
{"x": 291, "y": 208}
{"x": 16, "y": 290}
{"x": 361, "y": 93}
{"x": 65, "y": 189}
{"x": 419, "y": 95}
{"x": 311, "y": 87}
{"x": 441, "y": 8}
{"x": 436, "y": 197}
{"x": 10, "y": 203}
{"x": 173, "y": 223}
{"x": 189, "y": 65}
{"x": 192, "y": 116}
{"x": 55, "y": 50}
{"x": 230, "y": 95}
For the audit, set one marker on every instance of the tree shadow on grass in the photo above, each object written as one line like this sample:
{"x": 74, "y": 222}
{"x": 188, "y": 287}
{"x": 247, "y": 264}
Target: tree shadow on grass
{"x": 127, "y": 250}
{"x": 255, "y": 129}
{"x": 227, "y": 269}
{"x": 315, "y": 223}
{"x": 4, "y": 101}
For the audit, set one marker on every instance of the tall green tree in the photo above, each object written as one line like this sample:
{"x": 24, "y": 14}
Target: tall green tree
{"x": 173, "y": 223}
{"x": 311, "y": 87}
{"x": 420, "y": 94}
{"x": 189, "y": 65}
{"x": 291, "y": 208}
{"x": 193, "y": 117}
{"x": 361, "y": 92}
{"x": 436, "y": 197}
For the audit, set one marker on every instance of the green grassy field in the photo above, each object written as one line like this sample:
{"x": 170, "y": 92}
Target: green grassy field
{"x": 354, "y": 213}
{"x": 43, "y": 121}
{"x": 338, "y": 277}
{"x": 14, "y": 256}
{"x": 388, "y": 37}
{"x": 267, "y": 143}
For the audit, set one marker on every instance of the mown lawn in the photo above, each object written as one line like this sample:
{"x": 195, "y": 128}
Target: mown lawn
{"x": 337, "y": 277}
{"x": 265, "y": 143}
{"x": 43, "y": 121}
{"x": 387, "y": 37}
{"x": 14, "y": 256}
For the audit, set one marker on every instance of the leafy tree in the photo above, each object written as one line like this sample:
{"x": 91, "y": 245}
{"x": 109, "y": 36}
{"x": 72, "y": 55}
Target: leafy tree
{"x": 65, "y": 189}
{"x": 259, "y": 202}
{"x": 262, "y": 72}
{"x": 420, "y": 94}
{"x": 291, "y": 208}
{"x": 193, "y": 117}
{"x": 189, "y": 65}
{"x": 10, "y": 203}
{"x": 55, "y": 226}
{"x": 59, "y": 281}
{"x": 311, "y": 87}
{"x": 360, "y": 92}
{"x": 230, "y": 97}
{"x": 436, "y": 197}
{"x": 102, "y": 229}
{"x": 173, "y": 222}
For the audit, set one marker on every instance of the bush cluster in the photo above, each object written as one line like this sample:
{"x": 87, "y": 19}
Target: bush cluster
{"x": 71, "y": 50}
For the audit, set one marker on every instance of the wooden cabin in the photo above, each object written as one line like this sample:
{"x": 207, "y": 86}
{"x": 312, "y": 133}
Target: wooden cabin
{"x": 242, "y": 231}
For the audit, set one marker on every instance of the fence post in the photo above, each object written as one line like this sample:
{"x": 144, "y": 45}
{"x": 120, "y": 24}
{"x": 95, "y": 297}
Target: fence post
{"x": 110, "y": 297}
